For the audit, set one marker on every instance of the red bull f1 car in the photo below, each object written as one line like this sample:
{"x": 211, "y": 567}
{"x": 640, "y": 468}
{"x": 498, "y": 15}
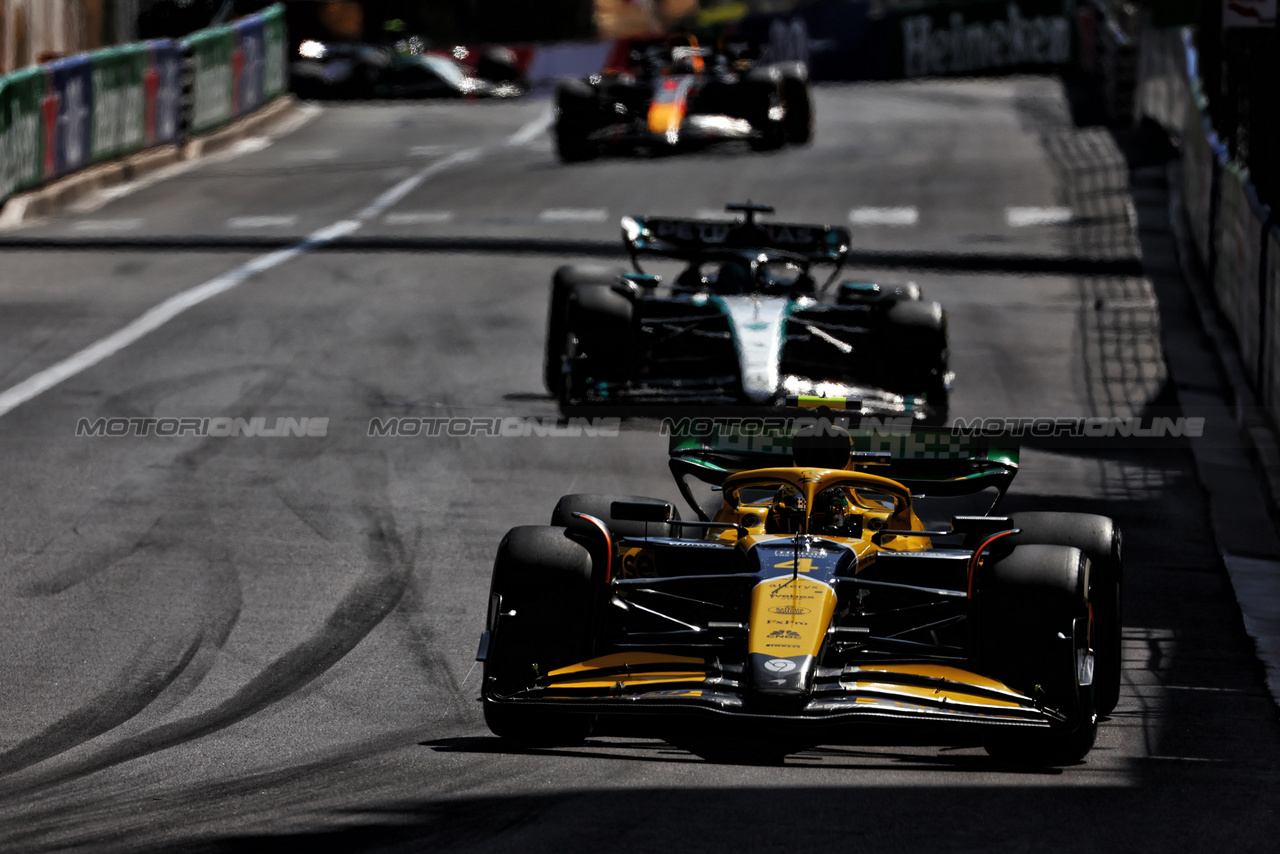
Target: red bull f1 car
{"x": 811, "y": 604}
{"x": 754, "y": 315}
{"x": 679, "y": 95}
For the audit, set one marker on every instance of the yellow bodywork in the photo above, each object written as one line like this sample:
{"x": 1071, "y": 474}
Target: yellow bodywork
{"x": 789, "y": 616}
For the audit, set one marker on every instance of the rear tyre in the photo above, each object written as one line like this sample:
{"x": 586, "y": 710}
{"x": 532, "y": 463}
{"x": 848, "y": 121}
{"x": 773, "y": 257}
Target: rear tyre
{"x": 597, "y": 340}
{"x": 563, "y": 282}
{"x": 575, "y": 120}
{"x": 1034, "y": 634}
{"x": 1099, "y": 538}
{"x": 597, "y": 505}
{"x": 916, "y": 341}
{"x": 540, "y": 606}
{"x": 797, "y": 100}
{"x": 763, "y": 89}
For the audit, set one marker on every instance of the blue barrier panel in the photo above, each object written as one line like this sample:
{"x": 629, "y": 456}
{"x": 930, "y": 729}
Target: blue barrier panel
{"x": 72, "y": 92}
{"x": 248, "y": 65}
{"x": 831, "y": 38}
{"x": 163, "y": 84}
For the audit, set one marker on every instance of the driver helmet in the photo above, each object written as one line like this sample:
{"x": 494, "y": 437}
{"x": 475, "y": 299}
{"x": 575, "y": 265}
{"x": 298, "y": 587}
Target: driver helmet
{"x": 831, "y": 509}
{"x": 733, "y": 278}
{"x": 786, "y": 511}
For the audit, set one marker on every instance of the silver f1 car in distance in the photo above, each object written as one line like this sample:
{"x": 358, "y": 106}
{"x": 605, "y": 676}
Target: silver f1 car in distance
{"x": 746, "y": 322}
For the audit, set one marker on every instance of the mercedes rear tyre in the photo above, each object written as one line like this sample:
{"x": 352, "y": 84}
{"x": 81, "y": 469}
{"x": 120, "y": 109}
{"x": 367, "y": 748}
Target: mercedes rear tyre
{"x": 597, "y": 338}
{"x": 566, "y": 278}
{"x": 918, "y": 353}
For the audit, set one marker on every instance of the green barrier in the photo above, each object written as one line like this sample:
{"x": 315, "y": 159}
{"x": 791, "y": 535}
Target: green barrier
{"x": 119, "y": 101}
{"x": 211, "y": 83}
{"x": 21, "y": 130}
{"x": 275, "y": 78}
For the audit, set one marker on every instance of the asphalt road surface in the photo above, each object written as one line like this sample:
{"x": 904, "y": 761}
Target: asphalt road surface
{"x": 212, "y": 643}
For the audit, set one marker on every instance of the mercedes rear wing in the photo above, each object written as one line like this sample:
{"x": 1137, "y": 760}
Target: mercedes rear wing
{"x": 683, "y": 239}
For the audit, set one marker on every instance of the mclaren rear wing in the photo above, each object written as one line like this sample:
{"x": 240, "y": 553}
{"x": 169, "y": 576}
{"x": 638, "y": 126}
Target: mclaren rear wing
{"x": 935, "y": 463}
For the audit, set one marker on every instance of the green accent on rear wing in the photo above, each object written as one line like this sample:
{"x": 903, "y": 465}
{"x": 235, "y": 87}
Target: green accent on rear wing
{"x": 933, "y": 463}
{"x": 685, "y": 238}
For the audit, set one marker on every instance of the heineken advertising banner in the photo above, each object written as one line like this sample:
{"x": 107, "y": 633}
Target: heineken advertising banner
{"x": 21, "y": 130}
{"x": 137, "y": 98}
{"x": 854, "y": 40}
{"x": 976, "y": 37}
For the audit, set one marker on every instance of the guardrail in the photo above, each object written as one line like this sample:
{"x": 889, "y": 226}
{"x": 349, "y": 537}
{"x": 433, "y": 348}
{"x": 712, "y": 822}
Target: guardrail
{"x": 1234, "y": 234}
{"x": 59, "y": 118}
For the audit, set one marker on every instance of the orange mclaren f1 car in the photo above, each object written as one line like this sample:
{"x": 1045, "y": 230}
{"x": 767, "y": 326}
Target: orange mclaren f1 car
{"x": 812, "y": 603}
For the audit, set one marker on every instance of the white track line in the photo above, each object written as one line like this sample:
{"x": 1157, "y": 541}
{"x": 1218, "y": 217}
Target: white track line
{"x": 418, "y": 218}
{"x": 1022, "y": 217}
{"x": 243, "y": 222}
{"x": 885, "y": 216}
{"x": 397, "y": 193}
{"x": 112, "y": 225}
{"x": 161, "y": 314}
{"x": 574, "y": 215}
{"x": 532, "y": 130}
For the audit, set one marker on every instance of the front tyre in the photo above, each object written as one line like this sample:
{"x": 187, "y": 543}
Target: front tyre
{"x": 1099, "y": 538}
{"x": 540, "y": 618}
{"x": 1035, "y": 634}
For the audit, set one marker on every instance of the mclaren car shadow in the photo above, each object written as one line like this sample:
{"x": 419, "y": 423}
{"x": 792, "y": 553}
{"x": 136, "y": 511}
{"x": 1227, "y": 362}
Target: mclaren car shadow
{"x": 682, "y": 751}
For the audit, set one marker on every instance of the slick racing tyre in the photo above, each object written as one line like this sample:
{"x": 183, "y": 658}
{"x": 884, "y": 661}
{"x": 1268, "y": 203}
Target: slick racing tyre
{"x": 597, "y": 340}
{"x": 763, "y": 90}
{"x": 597, "y": 505}
{"x": 798, "y": 102}
{"x": 576, "y": 106}
{"x": 916, "y": 344}
{"x": 540, "y": 606}
{"x": 1034, "y": 634}
{"x": 562, "y": 284}
{"x": 1099, "y": 538}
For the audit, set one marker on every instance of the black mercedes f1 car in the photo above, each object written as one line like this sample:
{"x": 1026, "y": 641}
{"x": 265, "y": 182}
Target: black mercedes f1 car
{"x": 746, "y": 322}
